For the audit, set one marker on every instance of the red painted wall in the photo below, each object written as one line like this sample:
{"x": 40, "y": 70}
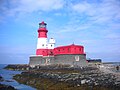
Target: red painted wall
{"x": 43, "y": 52}
{"x": 42, "y": 32}
{"x": 51, "y": 52}
{"x": 71, "y": 49}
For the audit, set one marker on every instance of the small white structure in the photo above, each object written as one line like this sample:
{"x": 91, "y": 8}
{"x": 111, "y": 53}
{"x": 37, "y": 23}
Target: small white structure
{"x": 51, "y": 43}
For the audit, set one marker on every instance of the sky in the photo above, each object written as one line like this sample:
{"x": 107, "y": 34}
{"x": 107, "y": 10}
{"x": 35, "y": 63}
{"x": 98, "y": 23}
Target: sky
{"x": 95, "y": 24}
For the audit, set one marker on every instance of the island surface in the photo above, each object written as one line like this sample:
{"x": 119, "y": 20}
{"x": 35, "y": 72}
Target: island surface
{"x": 65, "y": 77}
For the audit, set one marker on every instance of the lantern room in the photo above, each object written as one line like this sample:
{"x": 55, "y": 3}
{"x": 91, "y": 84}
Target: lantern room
{"x": 42, "y": 25}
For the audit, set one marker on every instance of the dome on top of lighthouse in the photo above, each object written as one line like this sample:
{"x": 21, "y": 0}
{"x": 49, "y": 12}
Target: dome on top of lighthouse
{"x": 42, "y": 25}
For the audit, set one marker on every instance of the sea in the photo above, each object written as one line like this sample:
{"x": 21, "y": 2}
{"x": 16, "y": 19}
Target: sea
{"x": 8, "y": 75}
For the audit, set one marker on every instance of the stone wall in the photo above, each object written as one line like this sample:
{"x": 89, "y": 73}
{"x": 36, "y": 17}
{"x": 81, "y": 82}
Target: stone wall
{"x": 77, "y": 60}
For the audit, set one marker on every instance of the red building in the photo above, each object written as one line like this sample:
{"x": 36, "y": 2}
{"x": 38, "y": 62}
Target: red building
{"x": 47, "y": 49}
{"x": 70, "y": 49}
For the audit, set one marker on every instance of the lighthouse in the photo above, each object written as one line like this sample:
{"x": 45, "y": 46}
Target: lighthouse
{"x": 42, "y": 45}
{"x": 48, "y": 54}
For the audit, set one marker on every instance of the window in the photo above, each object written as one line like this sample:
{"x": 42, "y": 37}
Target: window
{"x": 51, "y": 45}
{"x": 79, "y": 49}
{"x": 68, "y": 49}
{"x": 42, "y": 44}
{"x": 51, "y": 53}
{"x": 42, "y": 26}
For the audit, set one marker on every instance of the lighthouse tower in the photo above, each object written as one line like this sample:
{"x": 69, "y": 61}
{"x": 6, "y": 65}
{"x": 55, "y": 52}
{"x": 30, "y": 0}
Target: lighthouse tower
{"x": 42, "y": 40}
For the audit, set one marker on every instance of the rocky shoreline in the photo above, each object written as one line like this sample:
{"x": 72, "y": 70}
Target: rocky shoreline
{"x": 17, "y": 67}
{"x": 64, "y": 77}
{"x": 5, "y": 87}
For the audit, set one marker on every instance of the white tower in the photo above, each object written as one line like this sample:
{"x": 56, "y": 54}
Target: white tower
{"x": 42, "y": 40}
{"x": 51, "y": 43}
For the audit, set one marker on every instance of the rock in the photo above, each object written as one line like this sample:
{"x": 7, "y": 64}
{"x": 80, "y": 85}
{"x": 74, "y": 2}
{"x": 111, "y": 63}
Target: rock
{"x": 87, "y": 81}
{"x": 8, "y": 80}
{"x": 1, "y": 78}
{"x": 83, "y": 81}
{"x": 84, "y": 77}
{"x": 95, "y": 83}
{"x": 6, "y": 87}
{"x": 17, "y": 67}
{"x": 78, "y": 85}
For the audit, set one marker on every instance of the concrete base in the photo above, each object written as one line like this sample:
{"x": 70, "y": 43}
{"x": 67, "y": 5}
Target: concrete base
{"x": 78, "y": 60}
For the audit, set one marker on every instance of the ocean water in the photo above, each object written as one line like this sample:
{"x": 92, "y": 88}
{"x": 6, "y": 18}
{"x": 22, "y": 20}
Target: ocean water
{"x": 7, "y": 75}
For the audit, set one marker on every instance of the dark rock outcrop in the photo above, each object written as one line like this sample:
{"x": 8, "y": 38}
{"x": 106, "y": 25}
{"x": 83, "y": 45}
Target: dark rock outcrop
{"x": 1, "y": 78}
{"x": 6, "y": 87}
{"x": 86, "y": 78}
{"x": 18, "y": 67}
